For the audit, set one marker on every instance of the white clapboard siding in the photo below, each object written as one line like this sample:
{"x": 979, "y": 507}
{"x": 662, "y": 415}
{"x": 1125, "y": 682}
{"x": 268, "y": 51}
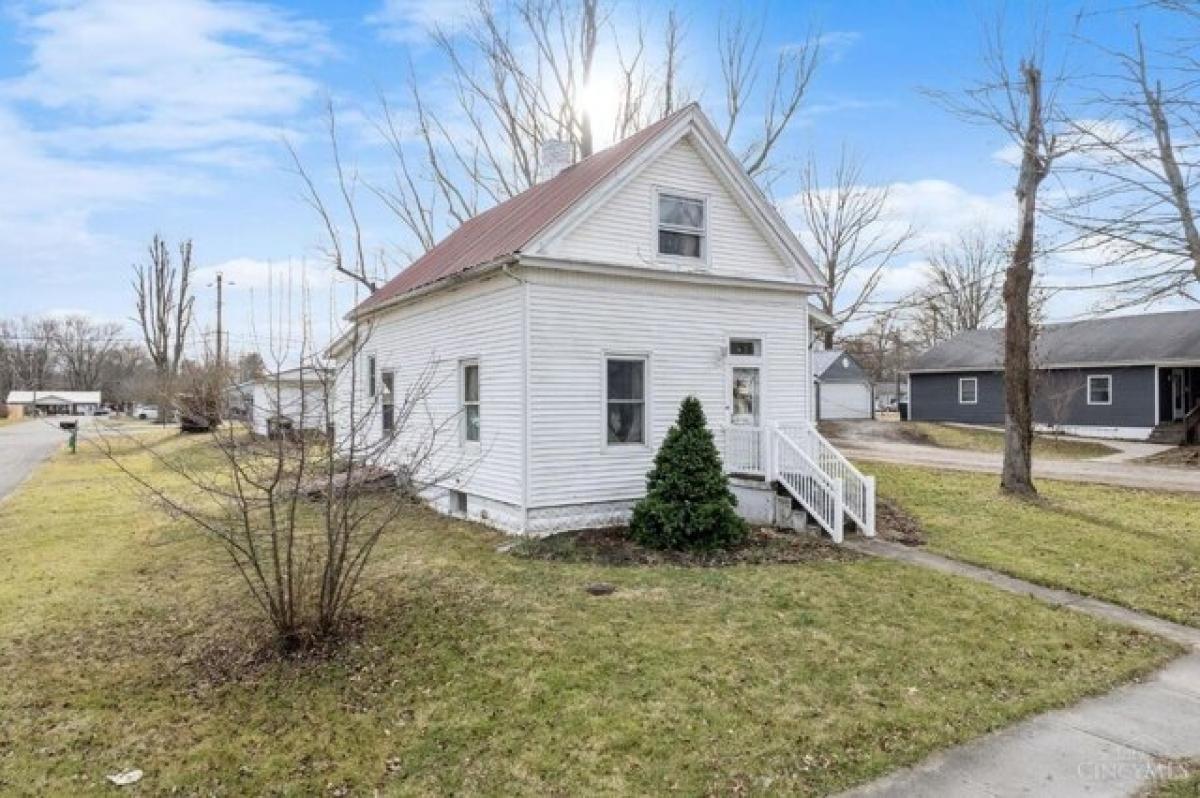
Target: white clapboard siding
{"x": 622, "y": 230}
{"x": 576, "y": 318}
{"x": 304, "y": 406}
{"x": 479, "y": 320}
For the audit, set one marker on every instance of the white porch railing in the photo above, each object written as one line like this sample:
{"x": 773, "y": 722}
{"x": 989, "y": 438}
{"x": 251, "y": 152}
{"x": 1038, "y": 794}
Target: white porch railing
{"x": 858, "y": 489}
{"x": 744, "y": 450}
{"x": 817, "y": 475}
{"x": 820, "y": 495}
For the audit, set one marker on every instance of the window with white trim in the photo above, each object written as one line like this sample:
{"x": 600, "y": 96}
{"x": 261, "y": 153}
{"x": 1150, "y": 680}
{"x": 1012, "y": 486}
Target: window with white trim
{"x": 745, "y": 347}
{"x": 968, "y": 390}
{"x": 1099, "y": 389}
{"x": 625, "y": 400}
{"x": 682, "y": 226}
{"x": 370, "y": 375}
{"x": 387, "y": 402}
{"x": 470, "y": 401}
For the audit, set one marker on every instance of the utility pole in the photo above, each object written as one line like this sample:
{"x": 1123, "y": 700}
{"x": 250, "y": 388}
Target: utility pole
{"x": 220, "y": 335}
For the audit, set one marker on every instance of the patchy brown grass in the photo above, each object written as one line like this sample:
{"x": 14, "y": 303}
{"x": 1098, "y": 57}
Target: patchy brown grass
{"x": 1179, "y": 457}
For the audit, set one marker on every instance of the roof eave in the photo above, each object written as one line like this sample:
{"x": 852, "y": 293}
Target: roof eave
{"x": 446, "y": 282}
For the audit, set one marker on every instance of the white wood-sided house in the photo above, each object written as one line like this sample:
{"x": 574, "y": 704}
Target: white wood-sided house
{"x": 571, "y": 321}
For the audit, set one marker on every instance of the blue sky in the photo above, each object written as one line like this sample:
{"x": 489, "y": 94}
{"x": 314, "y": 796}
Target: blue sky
{"x": 122, "y": 118}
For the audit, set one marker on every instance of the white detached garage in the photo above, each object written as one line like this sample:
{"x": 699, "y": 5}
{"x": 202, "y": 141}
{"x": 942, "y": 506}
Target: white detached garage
{"x": 842, "y": 387}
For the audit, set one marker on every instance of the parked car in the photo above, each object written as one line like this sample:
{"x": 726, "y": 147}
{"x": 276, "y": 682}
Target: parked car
{"x": 145, "y": 412}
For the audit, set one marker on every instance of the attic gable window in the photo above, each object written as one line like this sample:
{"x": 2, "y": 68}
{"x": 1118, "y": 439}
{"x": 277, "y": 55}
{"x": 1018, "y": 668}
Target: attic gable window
{"x": 682, "y": 226}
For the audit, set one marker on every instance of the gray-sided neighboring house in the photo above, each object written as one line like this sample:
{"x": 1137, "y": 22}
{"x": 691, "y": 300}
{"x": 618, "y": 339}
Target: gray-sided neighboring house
{"x": 1131, "y": 377}
{"x": 842, "y": 387}
{"x": 55, "y": 403}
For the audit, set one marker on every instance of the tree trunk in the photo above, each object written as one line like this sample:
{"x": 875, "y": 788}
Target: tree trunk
{"x": 1017, "y": 473}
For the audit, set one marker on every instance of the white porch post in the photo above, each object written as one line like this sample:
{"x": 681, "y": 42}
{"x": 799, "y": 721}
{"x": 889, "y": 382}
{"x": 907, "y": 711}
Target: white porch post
{"x": 767, "y": 446}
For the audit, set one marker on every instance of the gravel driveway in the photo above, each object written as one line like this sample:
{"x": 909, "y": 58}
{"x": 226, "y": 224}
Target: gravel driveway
{"x": 23, "y": 446}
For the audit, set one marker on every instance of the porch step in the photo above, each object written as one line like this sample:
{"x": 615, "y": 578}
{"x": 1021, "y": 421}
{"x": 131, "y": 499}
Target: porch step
{"x": 1168, "y": 432}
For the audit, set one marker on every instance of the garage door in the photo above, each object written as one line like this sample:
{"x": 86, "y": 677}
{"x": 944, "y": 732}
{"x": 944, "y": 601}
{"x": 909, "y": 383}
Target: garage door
{"x": 845, "y": 400}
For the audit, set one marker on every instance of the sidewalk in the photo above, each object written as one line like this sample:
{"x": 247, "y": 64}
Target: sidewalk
{"x": 1114, "y": 745}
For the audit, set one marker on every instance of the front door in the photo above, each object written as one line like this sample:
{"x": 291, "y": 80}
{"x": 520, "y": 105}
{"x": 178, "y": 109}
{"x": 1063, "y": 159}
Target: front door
{"x": 745, "y": 402}
{"x": 1178, "y": 394}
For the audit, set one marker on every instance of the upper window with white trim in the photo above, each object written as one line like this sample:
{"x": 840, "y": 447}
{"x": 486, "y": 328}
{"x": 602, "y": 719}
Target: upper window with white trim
{"x": 1099, "y": 389}
{"x": 968, "y": 390}
{"x": 682, "y": 226}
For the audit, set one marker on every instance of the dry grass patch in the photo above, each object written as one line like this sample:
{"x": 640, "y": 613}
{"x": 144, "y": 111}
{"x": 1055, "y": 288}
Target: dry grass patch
{"x": 974, "y": 439}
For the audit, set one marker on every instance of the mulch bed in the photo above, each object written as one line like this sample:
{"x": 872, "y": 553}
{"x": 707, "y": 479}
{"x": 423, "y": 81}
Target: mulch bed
{"x": 894, "y": 523}
{"x": 613, "y": 546}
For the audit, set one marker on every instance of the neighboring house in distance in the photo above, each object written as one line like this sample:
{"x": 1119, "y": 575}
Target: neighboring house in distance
{"x": 295, "y": 396}
{"x": 842, "y": 387}
{"x": 1133, "y": 377}
{"x": 55, "y": 403}
{"x": 889, "y": 394}
{"x": 568, "y": 323}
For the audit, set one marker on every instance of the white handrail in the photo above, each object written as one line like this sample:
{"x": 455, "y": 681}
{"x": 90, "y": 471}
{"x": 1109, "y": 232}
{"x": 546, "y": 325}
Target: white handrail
{"x": 817, "y": 492}
{"x": 858, "y": 489}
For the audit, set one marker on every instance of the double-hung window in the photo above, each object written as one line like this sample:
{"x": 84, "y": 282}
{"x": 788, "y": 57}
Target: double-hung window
{"x": 968, "y": 390}
{"x": 625, "y": 400}
{"x": 470, "y": 400}
{"x": 387, "y": 402}
{"x": 1099, "y": 389}
{"x": 682, "y": 226}
{"x": 371, "y": 376}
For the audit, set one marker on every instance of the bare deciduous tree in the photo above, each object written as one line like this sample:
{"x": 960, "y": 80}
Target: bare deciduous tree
{"x": 963, "y": 288}
{"x": 300, "y": 511}
{"x": 522, "y": 72}
{"x": 1016, "y": 101}
{"x": 84, "y": 349}
{"x": 853, "y": 240}
{"x": 1132, "y": 199}
{"x": 29, "y": 352}
{"x": 1056, "y": 391}
{"x": 164, "y": 311}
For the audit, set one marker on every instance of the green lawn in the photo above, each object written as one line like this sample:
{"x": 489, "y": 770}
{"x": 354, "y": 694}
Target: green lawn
{"x": 973, "y": 439}
{"x": 1136, "y": 548}
{"x": 125, "y": 645}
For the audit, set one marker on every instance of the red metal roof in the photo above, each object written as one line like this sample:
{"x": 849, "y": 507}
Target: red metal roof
{"x": 509, "y": 226}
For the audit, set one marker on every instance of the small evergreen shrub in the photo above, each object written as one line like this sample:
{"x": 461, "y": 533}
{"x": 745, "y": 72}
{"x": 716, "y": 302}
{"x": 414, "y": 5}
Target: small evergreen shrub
{"x": 688, "y": 504}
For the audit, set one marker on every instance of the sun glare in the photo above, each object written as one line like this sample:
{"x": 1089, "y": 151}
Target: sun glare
{"x": 601, "y": 99}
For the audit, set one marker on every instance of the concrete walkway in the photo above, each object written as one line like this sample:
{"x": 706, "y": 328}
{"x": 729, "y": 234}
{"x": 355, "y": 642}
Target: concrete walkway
{"x": 1105, "y": 472}
{"x": 1114, "y": 745}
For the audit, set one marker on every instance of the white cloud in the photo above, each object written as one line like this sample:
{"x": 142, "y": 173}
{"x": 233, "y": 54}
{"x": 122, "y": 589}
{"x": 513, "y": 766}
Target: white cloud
{"x": 410, "y": 21}
{"x": 836, "y": 43}
{"x": 248, "y": 274}
{"x": 165, "y": 75}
